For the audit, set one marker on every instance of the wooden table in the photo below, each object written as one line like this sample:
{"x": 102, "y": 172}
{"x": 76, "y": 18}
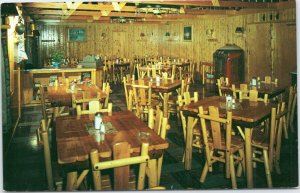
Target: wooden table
{"x": 271, "y": 89}
{"x": 74, "y": 143}
{"x": 164, "y": 86}
{"x": 121, "y": 66}
{"x": 61, "y": 95}
{"x": 180, "y": 66}
{"x": 147, "y": 69}
{"x": 41, "y": 76}
{"x": 248, "y": 115}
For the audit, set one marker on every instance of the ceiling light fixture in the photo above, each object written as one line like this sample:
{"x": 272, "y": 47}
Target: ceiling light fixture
{"x": 122, "y": 20}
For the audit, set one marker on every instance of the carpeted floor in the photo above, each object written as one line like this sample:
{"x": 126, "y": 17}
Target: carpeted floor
{"x": 24, "y": 170}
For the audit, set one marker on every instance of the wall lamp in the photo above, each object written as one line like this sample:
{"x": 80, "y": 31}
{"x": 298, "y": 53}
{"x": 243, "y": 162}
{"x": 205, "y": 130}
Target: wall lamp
{"x": 239, "y": 30}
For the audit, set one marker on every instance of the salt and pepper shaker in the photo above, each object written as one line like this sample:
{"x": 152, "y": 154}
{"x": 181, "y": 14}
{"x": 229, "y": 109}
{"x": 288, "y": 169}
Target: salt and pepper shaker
{"x": 233, "y": 103}
{"x": 98, "y": 121}
{"x": 157, "y": 80}
{"x": 102, "y": 128}
{"x": 228, "y": 102}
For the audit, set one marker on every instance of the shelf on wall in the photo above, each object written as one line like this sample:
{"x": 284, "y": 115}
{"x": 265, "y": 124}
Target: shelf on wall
{"x": 212, "y": 39}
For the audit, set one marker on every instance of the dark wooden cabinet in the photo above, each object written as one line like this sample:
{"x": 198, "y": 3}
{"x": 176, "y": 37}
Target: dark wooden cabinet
{"x": 229, "y": 62}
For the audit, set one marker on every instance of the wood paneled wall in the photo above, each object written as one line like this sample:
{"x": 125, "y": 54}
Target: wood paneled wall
{"x": 125, "y": 40}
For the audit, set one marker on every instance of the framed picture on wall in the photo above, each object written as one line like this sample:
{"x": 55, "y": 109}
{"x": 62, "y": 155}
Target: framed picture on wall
{"x": 76, "y": 34}
{"x": 187, "y": 33}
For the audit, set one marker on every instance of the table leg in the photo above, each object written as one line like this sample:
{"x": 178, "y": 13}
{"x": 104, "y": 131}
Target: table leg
{"x": 166, "y": 99}
{"x": 188, "y": 145}
{"x": 71, "y": 180}
{"x": 248, "y": 137}
{"x": 152, "y": 175}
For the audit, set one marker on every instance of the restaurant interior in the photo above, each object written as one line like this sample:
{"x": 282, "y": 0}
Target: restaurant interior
{"x": 149, "y": 95}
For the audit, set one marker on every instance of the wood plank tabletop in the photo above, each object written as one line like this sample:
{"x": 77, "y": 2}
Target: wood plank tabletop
{"x": 162, "y": 86}
{"x": 181, "y": 64}
{"x": 74, "y": 142}
{"x": 61, "y": 95}
{"x": 163, "y": 68}
{"x": 271, "y": 89}
{"x": 121, "y": 64}
{"x": 246, "y": 113}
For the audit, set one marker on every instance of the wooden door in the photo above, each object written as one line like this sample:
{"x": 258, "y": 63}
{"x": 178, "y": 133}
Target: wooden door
{"x": 259, "y": 61}
{"x": 286, "y": 54}
{"x": 119, "y": 44}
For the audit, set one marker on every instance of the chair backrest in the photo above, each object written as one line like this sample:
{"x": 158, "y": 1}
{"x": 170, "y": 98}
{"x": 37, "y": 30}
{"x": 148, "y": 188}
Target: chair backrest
{"x": 154, "y": 71}
{"x": 281, "y": 112}
{"x": 94, "y": 107}
{"x": 224, "y": 80}
{"x": 157, "y": 122}
{"x": 244, "y": 87}
{"x": 106, "y": 90}
{"x": 215, "y": 123}
{"x": 173, "y": 72}
{"x": 121, "y": 162}
{"x": 234, "y": 91}
{"x": 192, "y": 69}
{"x": 253, "y": 96}
{"x": 142, "y": 93}
{"x": 219, "y": 85}
{"x": 268, "y": 80}
{"x": 155, "y": 119}
{"x": 84, "y": 100}
{"x": 141, "y": 74}
{"x": 125, "y": 90}
{"x": 188, "y": 99}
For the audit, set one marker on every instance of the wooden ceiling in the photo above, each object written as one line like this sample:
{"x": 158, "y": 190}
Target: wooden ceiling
{"x": 144, "y": 11}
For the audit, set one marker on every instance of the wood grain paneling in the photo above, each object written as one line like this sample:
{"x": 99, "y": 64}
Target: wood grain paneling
{"x": 125, "y": 40}
{"x": 285, "y": 60}
{"x": 259, "y": 46}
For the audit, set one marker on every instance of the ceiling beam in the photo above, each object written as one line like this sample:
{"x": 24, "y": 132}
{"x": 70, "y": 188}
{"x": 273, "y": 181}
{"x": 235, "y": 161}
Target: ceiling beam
{"x": 118, "y": 6}
{"x": 229, "y": 3}
{"x": 95, "y": 7}
{"x": 190, "y": 13}
{"x": 215, "y": 2}
{"x": 72, "y": 8}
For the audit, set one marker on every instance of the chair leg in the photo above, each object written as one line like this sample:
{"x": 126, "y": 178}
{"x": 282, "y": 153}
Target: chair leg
{"x": 242, "y": 155}
{"x": 232, "y": 172}
{"x": 71, "y": 180}
{"x": 239, "y": 170}
{"x": 204, "y": 173}
{"x": 285, "y": 128}
{"x": 278, "y": 147}
{"x": 159, "y": 166}
{"x": 58, "y": 186}
{"x": 267, "y": 169}
{"x": 152, "y": 178}
{"x": 293, "y": 114}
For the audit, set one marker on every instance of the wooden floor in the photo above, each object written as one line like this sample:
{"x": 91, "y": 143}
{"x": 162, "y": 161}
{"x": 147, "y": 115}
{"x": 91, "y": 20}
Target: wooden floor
{"x": 24, "y": 170}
